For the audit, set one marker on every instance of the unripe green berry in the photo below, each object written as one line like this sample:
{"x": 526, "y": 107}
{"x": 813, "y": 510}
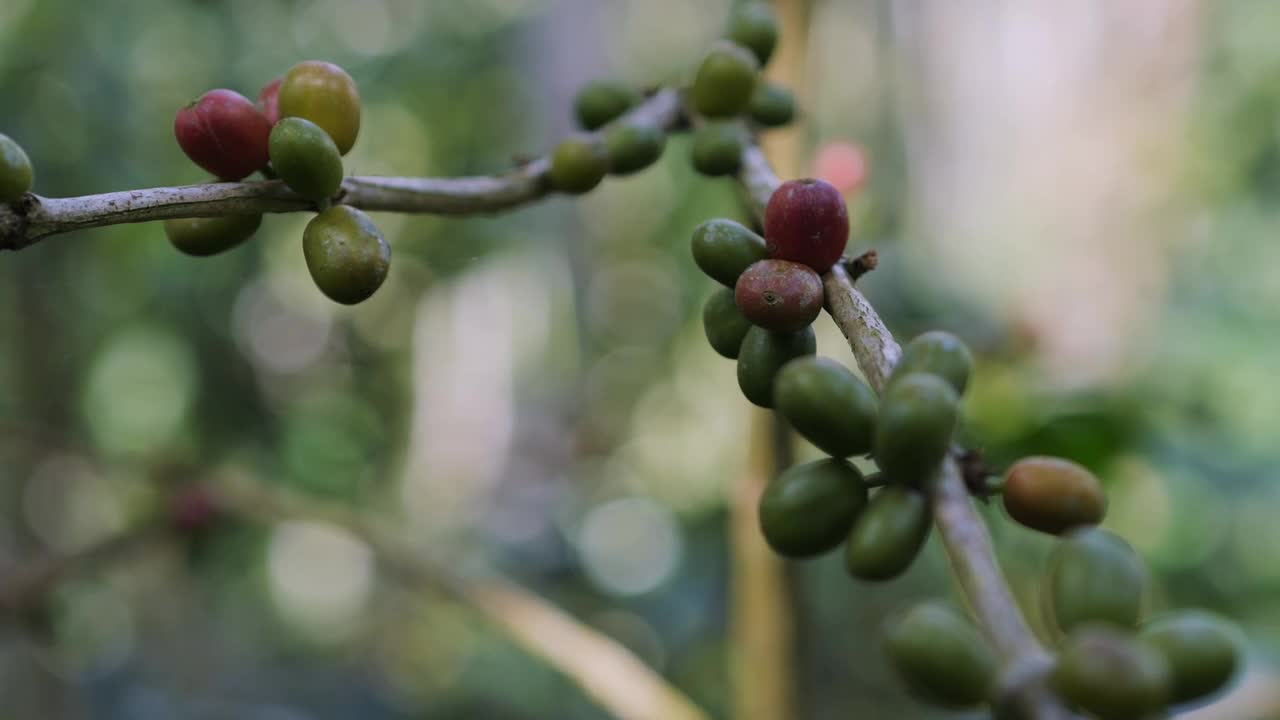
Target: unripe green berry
{"x": 304, "y": 156}
{"x": 209, "y": 236}
{"x": 717, "y": 148}
{"x": 888, "y": 536}
{"x": 724, "y": 324}
{"x": 772, "y": 105}
{"x": 1201, "y": 649}
{"x": 15, "y": 170}
{"x": 723, "y": 249}
{"x": 326, "y": 95}
{"x": 725, "y": 80}
{"x": 940, "y": 656}
{"x": 918, "y": 415}
{"x": 600, "y": 103}
{"x": 1111, "y": 675}
{"x": 762, "y": 355}
{"x": 807, "y": 509}
{"x": 1094, "y": 577}
{"x": 827, "y": 404}
{"x": 346, "y": 254}
{"x": 754, "y": 27}
{"x": 578, "y": 164}
{"x": 633, "y": 147}
{"x": 939, "y": 353}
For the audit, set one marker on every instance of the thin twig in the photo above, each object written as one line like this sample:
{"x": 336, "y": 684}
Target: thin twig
{"x": 26, "y": 587}
{"x": 34, "y": 218}
{"x": 606, "y": 671}
{"x": 964, "y": 535}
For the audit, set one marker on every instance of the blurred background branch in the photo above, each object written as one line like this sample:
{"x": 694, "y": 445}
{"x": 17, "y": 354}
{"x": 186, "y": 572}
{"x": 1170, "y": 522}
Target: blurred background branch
{"x": 25, "y": 587}
{"x": 606, "y": 671}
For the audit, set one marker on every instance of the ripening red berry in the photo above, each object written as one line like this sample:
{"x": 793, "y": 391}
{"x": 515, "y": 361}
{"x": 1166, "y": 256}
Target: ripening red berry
{"x": 224, "y": 133}
{"x": 193, "y": 509}
{"x": 807, "y": 222}
{"x": 779, "y": 295}
{"x": 269, "y": 100}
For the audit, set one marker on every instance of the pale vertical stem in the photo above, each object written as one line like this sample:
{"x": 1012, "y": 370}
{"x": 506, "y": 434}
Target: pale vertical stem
{"x": 760, "y": 608}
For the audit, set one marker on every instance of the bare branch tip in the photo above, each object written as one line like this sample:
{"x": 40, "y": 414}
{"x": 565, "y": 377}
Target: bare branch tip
{"x": 862, "y": 264}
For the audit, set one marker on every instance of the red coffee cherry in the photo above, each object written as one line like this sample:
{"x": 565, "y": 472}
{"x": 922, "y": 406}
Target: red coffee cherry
{"x": 807, "y": 222}
{"x": 269, "y": 100}
{"x": 779, "y": 295}
{"x": 224, "y": 133}
{"x": 194, "y": 508}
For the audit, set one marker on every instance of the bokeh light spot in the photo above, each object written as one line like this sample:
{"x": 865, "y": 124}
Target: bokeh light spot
{"x": 320, "y": 576}
{"x": 630, "y": 546}
{"x": 139, "y": 391}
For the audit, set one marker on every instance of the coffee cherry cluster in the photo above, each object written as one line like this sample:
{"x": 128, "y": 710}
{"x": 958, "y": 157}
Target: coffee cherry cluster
{"x": 727, "y": 88}
{"x": 1109, "y": 665}
{"x": 765, "y": 321}
{"x": 580, "y": 162}
{"x": 301, "y": 126}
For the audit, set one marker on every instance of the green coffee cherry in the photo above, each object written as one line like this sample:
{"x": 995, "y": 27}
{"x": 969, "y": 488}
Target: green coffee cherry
{"x": 762, "y": 355}
{"x": 723, "y": 249}
{"x": 1052, "y": 495}
{"x": 941, "y": 657}
{"x": 827, "y": 404}
{"x": 716, "y": 149}
{"x": 633, "y": 147}
{"x": 1111, "y": 675}
{"x": 888, "y": 536}
{"x": 15, "y": 170}
{"x": 304, "y": 156}
{"x": 754, "y": 27}
{"x": 209, "y": 236}
{"x": 724, "y": 324}
{"x": 918, "y": 414}
{"x": 1094, "y": 577}
{"x": 346, "y": 254}
{"x": 578, "y": 164}
{"x": 772, "y": 105}
{"x": 807, "y": 509}
{"x": 1201, "y": 649}
{"x": 939, "y": 353}
{"x": 725, "y": 81}
{"x": 600, "y": 103}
